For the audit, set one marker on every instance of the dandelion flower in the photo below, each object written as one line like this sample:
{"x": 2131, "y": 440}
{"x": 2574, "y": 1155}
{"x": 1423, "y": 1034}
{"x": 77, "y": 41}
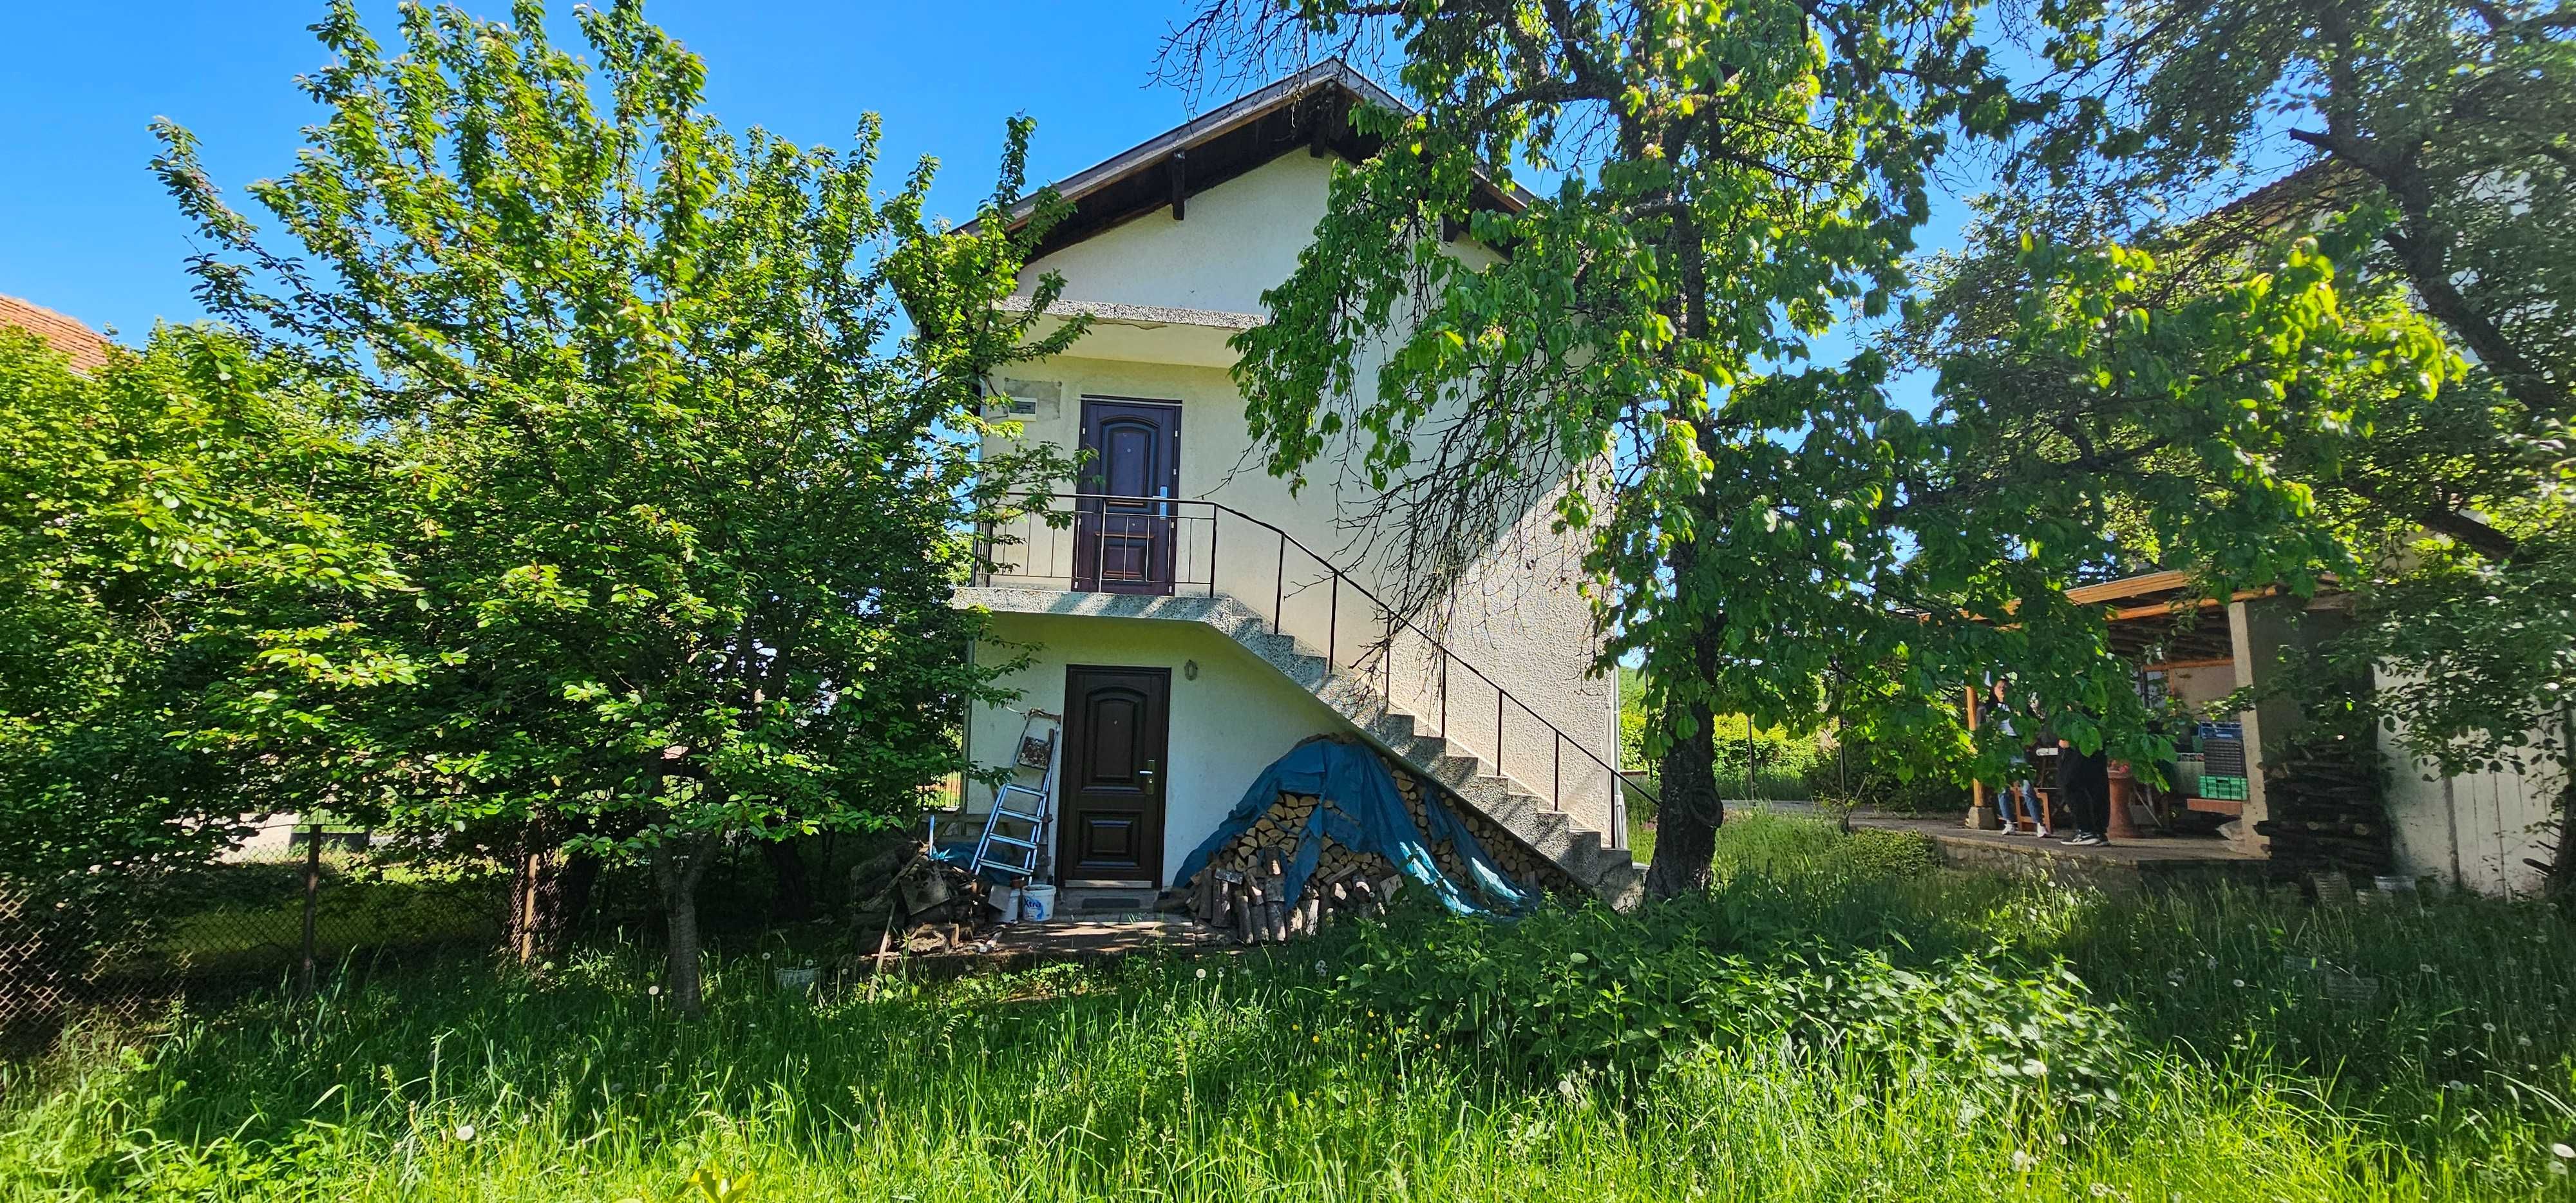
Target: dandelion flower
{"x": 2426, "y": 968}
{"x": 2562, "y": 1152}
{"x": 653, "y": 991}
{"x": 2488, "y": 1026}
{"x": 2022, "y": 1160}
{"x": 1565, "y": 1086}
{"x": 1202, "y": 973}
{"x": 2101, "y": 1189}
{"x": 2240, "y": 984}
{"x": 464, "y": 1131}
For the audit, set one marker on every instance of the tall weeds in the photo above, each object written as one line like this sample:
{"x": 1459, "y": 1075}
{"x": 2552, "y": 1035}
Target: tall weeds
{"x": 1837, "y": 1020}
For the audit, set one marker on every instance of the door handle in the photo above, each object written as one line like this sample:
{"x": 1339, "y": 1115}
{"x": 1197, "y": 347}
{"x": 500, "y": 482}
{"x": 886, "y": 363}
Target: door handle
{"x": 1145, "y": 777}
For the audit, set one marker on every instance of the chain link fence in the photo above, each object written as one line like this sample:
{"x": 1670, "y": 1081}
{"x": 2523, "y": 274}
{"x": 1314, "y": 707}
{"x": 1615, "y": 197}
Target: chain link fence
{"x": 132, "y": 941}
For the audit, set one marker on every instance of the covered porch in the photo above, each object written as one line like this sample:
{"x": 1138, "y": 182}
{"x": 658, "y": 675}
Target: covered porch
{"x": 2186, "y": 652}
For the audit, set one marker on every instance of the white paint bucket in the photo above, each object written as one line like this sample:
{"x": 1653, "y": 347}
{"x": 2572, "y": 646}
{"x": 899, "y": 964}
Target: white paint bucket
{"x": 1005, "y": 899}
{"x": 1037, "y": 903}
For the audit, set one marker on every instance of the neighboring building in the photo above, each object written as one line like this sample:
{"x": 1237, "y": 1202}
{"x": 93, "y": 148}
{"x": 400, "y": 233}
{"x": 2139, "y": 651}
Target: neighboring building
{"x": 86, "y": 348}
{"x": 2478, "y": 830}
{"x": 1192, "y": 621}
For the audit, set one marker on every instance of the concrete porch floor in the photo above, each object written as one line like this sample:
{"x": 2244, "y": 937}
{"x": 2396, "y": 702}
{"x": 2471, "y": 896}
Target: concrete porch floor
{"x": 1085, "y": 941}
{"x": 2121, "y": 864}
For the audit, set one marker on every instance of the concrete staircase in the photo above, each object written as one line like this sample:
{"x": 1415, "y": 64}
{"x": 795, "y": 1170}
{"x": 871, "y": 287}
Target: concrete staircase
{"x": 1583, "y": 853}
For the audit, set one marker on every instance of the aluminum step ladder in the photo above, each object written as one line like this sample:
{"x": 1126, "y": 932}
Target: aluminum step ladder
{"x": 1023, "y": 809}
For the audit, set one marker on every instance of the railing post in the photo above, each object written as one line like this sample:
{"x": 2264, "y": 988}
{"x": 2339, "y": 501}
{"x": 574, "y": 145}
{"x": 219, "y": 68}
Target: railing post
{"x": 1388, "y": 654}
{"x": 1498, "y": 727}
{"x": 1556, "y": 773}
{"x": 1444, "y": 693}
{"x": 1215, "y": 520}
{"x": 1279, "y": 586}
{"x": 1618, "y": 832}
{"x": 1333, "y": 620}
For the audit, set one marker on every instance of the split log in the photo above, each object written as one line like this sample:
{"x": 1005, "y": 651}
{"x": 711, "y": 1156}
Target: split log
{"x": 1228, "y": 884}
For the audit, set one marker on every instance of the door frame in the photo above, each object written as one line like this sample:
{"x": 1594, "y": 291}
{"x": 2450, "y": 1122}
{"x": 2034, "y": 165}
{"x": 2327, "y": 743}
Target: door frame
{"x": 1157, "y": 810}
{"x": 1091, "y": 514}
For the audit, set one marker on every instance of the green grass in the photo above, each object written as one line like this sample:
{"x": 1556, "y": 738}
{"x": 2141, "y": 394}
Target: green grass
{"x": 1641, "y": 841}
{"x": 1838, "y": 1020}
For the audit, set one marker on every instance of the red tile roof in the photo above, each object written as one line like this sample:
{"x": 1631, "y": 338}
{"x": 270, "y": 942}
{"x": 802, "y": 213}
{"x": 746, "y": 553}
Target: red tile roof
{"x": 87, "y": 348}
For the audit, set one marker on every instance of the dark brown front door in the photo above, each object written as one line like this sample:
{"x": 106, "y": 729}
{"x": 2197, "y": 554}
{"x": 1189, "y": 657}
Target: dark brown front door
{"x": 1123, "y": 538}
{"x": 1117, "y": 732}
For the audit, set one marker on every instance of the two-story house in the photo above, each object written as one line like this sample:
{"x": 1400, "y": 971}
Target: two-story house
{"x": 1190, "y": 619}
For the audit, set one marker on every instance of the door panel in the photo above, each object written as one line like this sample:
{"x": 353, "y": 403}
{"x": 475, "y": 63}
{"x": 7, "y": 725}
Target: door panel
{"x": 1117, "y": 740}
{"x": 1126, "y": 546}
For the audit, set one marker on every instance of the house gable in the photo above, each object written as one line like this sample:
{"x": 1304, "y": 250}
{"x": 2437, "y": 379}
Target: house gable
{"x": 1238, "y": 240}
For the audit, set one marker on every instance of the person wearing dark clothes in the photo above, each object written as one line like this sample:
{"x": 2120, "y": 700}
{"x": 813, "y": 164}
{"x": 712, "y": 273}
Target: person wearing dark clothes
{"x": 2084, "y": 785}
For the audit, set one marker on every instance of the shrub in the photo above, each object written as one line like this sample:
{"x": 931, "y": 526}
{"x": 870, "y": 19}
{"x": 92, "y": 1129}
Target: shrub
{"x": 1745, "y": 967}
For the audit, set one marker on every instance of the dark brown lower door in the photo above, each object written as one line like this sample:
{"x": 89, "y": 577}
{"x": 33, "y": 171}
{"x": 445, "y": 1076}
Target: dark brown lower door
{"x": 1117, "y": 726}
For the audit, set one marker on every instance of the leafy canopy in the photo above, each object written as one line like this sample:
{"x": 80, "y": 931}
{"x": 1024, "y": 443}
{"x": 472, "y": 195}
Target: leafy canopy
{"x": 683, "y": 428}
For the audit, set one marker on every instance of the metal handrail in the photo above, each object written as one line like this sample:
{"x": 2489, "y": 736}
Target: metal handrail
{"x": 1620, "y": 777}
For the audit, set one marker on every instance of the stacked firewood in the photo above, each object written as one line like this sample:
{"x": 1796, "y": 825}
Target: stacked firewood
{"x": 1515, "y": 859}
{"x": 1250, "y": 895}
{"x": 1443, "y": 853}
{"x": 2325, "y": 809}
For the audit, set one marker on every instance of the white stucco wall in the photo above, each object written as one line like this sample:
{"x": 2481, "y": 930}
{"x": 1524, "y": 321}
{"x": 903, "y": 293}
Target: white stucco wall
{"x": 1227, "y": 725}
{"x": 2475, "y": 829}
{"x": 1516, "y": 617}
{"x": 2200, "y": 684}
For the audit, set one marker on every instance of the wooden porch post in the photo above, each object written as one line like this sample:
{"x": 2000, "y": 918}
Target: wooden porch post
{"x": 1977, "y": 806}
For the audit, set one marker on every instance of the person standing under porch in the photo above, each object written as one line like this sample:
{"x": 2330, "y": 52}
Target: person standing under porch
{"x": 2084, "y": 787}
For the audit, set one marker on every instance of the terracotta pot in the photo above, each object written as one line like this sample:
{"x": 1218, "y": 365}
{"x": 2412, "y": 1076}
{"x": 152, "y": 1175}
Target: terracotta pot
{"x": 2122, "y": 782}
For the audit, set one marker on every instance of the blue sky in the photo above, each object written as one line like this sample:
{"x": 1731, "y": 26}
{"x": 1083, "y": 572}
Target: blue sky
{"x": 86, "y": 230}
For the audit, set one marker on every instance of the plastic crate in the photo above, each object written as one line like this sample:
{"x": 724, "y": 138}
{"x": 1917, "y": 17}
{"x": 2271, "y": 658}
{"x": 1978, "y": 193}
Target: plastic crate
{"x": 2225, "y": 789}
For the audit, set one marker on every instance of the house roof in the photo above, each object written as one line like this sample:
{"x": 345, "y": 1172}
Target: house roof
{"x": 86, "y": 348}
{"x": 1309, "y": 111}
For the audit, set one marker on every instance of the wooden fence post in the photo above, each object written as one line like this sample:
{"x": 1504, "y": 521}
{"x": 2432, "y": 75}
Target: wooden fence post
{"x": 312, "y": 901}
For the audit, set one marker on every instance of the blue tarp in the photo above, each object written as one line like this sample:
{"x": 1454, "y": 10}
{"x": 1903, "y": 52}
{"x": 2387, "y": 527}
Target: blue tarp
{"x": 1362, "y": 811}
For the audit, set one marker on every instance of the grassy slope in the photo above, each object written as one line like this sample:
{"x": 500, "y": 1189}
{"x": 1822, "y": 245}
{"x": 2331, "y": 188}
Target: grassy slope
{"x": 1269, "y": 1078}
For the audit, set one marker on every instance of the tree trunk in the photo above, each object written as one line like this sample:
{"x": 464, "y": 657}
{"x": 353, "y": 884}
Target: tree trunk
{"x": 791, "y": 887}
{"x": 677, "y": 868}
{"x": 563, "y": 898}
{"x": 2559, "y": 880}
{"x": 550, "y": 891}
{"x": 529, "y": 871}
{"x": 1687, "y": 820}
